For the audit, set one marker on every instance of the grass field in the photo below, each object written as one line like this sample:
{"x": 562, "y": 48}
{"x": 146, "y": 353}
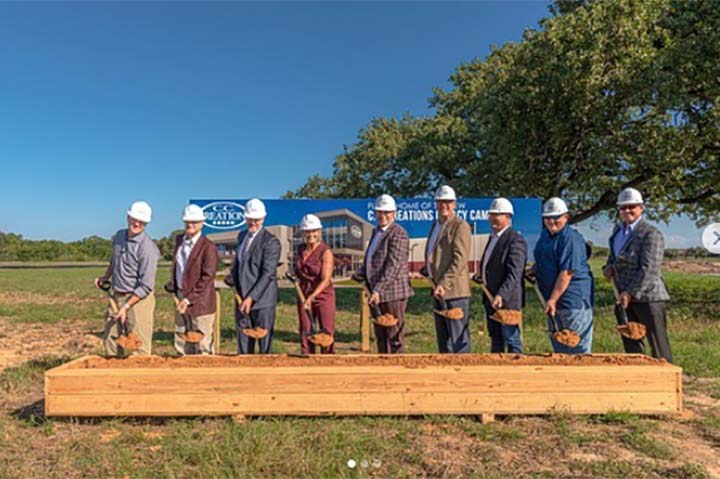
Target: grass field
{"x": 52, "y": 315}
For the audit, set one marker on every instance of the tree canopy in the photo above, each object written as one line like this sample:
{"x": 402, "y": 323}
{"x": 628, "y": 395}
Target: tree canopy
{"x": 602, "y": 96}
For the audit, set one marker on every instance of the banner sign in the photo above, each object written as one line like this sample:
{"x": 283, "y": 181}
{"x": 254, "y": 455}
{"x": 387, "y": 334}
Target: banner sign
{"x": 348, "y": 223}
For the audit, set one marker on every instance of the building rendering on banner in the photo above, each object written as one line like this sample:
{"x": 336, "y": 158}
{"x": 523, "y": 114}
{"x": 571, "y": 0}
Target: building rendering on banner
{"x": 348, "y": 226}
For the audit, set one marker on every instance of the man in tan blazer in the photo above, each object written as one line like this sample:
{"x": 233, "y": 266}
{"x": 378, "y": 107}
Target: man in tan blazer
{"x": 446, "y": 259}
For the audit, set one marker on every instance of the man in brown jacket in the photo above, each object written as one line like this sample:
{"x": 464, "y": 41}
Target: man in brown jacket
{"x": 386, "y": 270}
{"x": 446, "y": 255}
{"x": 192, "y": 280}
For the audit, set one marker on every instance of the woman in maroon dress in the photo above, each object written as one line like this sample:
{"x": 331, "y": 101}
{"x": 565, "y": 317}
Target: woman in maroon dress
{"x": 314, "y": 266}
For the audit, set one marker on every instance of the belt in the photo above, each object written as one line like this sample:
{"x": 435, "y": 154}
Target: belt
{"x": 123, "y": 293}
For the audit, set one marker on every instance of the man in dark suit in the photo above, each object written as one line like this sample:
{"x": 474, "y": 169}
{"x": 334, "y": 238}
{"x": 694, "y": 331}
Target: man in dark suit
{"x": 635, "y": 264}
{"x": 503, "y": 265}
{"x": 192, "y": 280}
{"x": 386, "y": 270}
{"x": 254, "y": 277}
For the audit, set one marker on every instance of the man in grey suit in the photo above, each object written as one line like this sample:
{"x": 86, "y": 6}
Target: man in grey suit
{"x": 254, "y": 277}
{"x": 635, "y": 264}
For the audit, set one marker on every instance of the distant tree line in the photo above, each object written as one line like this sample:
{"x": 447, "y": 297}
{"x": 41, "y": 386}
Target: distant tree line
{"x": 13, "y": 247}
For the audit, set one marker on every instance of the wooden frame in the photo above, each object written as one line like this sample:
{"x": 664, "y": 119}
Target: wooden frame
{"x": 203, "y": 389}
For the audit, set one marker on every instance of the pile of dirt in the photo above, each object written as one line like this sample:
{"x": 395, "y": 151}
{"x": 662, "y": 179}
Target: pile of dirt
{"x": 131, "y": 342}
{"x": 567, "y": 337}
{"x": 404, "y": 360}
{"x": 632, "y": 330}
{"x": 255, "y": 333}
{"x": 386, "y": 320}
{"x": 321, "y": 339}
{"x": 452, "y": 313}
{"x": 192, "y": 336}
{"x": 508, "y": 317}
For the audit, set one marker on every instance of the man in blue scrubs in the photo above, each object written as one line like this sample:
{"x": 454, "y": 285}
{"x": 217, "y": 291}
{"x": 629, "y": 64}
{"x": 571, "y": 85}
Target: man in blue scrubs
{"x": 564, "y": 276}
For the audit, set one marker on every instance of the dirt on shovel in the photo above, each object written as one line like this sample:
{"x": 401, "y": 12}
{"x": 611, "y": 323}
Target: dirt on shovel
{"x": 567, "y": 337}
{"x": 321, "y": 339}
{"x": 192, "y": 336}
{"x": 255, "y": 333}
{"x": 386, "y": 320}
{"x": 131, "y": 342}
{"x": 632, "y": 330}
{"x": 452, "y": 313}
{"x": 508, "y": 317}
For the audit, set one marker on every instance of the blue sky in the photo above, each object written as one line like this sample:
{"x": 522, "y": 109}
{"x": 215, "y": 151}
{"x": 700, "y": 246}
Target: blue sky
{"x": 102, "y": 103}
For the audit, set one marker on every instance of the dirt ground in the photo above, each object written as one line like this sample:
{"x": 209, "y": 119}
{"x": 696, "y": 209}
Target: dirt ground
{"x": 21, "y": 342}
{"x": 408, "y": 361}
{"x": 693, "y": 267}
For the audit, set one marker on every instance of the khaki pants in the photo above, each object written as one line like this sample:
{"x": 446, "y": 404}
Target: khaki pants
{"x": 139, "y": 321}
{"x": 204, "y": 324}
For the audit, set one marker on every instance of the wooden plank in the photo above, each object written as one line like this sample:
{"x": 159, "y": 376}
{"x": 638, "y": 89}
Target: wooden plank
{"x": 392, "y": 380}
{"x": 364, "y": 322}
{"x": 357, "y": 404}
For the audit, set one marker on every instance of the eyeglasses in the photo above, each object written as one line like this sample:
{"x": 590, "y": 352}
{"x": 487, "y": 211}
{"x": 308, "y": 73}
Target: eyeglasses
{"x": 552, "y": 218}
{"x": 627, "y": 207}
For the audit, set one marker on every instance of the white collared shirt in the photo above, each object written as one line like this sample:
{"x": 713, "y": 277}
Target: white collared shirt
{"x": 182, "y": 256}
{"x": 494, "y": 237}
{"x": 434, "y": 234}
{"x": 245, "y": 245}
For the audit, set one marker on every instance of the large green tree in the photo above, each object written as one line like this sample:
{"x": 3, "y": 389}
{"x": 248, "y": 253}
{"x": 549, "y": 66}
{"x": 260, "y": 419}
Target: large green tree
{"x": 603, "y": 95}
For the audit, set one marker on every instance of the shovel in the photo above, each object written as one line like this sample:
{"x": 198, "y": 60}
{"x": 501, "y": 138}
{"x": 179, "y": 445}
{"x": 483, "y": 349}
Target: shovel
{"x": 191, "y": 335}
{"x": 255, "y": 333}
{"x": 452, "y": 313}
{"x": 626, "y": 328}
{"x": 567, "y": 337}
{"x": 127, "y": 341}
{"x": 320, "y": 336}
{"x": 384, "y": 320}
{"x": 508, "y": 317}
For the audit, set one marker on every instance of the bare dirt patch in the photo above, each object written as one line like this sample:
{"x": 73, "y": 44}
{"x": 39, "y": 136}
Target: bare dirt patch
{"x": 693, "y": 267}
{"x": 21, "y": 342}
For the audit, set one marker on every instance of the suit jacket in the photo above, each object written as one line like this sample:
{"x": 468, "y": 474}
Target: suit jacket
{"x": 256, "y": 277}
{"x": 638, "y": 266}
{"x": 389, "y": 275}
{"x": 448, "y": 265}
{"x": 505, "y": 269}
{"x": 199, "y": 276}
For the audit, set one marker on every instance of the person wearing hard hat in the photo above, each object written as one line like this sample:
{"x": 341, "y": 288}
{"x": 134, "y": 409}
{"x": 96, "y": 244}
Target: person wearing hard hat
{"x": 385, "y": 271}
{"x": 635, "y": 265}
{"x": 314, "y": 265}
{"x": 132, "y": 271}
{"x": 192, "y": 280}
{"x": 503, "y": 266}
{"x": 254, "y": 277}
{"x": 564, "y": 276}
{"x": 447, "y": 252}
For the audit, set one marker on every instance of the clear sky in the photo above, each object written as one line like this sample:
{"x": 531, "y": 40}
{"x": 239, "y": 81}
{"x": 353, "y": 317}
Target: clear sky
{"x": 103, "y": 103}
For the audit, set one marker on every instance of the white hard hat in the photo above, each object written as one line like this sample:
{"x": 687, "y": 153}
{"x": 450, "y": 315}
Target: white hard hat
{"x": 255, "y": 209}
{"x": 193, "y": 213}
{"x": 554, "y": 207}
{"x": 385, "y": 203}
{"x": 310, "y": 223}
{"x": 501, "y": 205}
{"x": 141, "y": 211}
{"x": 629, "y": 196}
{"x": 445, "y": 193}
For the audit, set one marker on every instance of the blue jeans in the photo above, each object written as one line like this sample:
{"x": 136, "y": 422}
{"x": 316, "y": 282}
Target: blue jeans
{"x": 502, "y": 336}
{"x": 578, "y": 320}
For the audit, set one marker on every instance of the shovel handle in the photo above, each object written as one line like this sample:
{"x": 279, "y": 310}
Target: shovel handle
{"x": 615, "y": 291}
{"x": 488, "y": 295}
{"x": 544, "y": 305}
